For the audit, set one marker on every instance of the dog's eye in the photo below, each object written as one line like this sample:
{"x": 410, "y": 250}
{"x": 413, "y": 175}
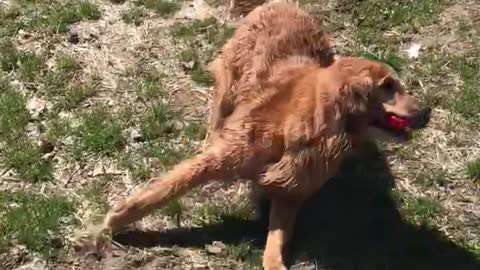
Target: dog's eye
{"x": 389, "y": 96}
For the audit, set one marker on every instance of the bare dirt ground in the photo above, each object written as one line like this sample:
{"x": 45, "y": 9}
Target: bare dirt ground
{"x": 98, "y": 97}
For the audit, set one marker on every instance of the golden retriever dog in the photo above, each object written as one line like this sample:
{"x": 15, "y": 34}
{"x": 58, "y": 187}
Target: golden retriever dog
{"x": 286, "y": 113}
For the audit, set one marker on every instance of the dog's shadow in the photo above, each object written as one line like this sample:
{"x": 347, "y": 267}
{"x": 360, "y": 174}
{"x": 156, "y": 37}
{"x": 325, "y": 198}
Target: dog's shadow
{"x": 352, "y": 223}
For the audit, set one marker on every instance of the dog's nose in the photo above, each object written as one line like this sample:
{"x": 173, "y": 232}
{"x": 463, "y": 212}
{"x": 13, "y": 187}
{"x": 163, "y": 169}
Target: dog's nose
{"x": 422, "y": 118}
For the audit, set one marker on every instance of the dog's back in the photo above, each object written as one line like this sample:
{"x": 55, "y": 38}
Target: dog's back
{"x": 269, "y": 34}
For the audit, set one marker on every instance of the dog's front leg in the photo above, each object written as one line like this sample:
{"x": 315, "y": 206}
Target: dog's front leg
{"x": 216, "y": 163}
{"x": 282, "y": 220}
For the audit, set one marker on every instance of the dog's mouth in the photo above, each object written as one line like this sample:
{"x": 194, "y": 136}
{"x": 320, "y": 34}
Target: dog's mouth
{"x": 398, "y": 126}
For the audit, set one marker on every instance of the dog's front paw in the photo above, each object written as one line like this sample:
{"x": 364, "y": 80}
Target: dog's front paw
{"x": 92, "y": 241}
{"x": 273, "y": 263}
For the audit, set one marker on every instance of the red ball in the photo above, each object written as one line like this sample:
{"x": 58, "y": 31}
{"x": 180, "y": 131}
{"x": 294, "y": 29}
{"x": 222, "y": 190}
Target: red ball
{"x": 397, "y": 123}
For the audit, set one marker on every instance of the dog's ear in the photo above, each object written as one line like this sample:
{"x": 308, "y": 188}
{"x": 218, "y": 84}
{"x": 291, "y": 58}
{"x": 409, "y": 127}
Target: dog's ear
{"x": 354, "y": 96}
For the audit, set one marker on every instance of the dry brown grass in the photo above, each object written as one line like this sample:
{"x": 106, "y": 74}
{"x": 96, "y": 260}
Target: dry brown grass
{"x": 433, "y": 191}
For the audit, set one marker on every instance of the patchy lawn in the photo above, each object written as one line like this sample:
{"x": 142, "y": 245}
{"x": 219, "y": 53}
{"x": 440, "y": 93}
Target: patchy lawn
{"x": 97, "y": 97}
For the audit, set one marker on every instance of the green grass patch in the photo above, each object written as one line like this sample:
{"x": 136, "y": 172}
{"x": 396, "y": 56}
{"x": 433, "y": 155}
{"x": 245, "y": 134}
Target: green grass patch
{"x": 9, "y": 23}
{"x": 164, "y": 8}
{"x": 195, "y": 130}
{"x": 139, "y": 171}
{"x": 201, "y": 76}
{"x": 57, "y": 17}
{"x": 157, "y": 128}
{"x": 134, "y": 15}
{"x": 13, "y": 113}
{"x": 174, "y": 209}
{"x": 74, "y": 95}
{"x": 158, "y": 122}
{"x": 151, "y": 85}
{"x": 208, "y": 30}
{"x": 53, "y": 16}
{"x": 473, "y": 169}
{"x": 18, "y": 152}
{"x": 32, "y": 220}
{"x": 467, "y": 102}
{"x": 67, "y": 63}
{"x": 27, "y": 65}
{"x": 27, "y": 161}
{"x": 202, "y": 40}
{"x": 57, "y": 130}
{"x": 95, "y": 193}
{"x": 421, "y": 210}
{"x": 387, "y": 57}
{"x": 246, "y": 253}
{"x": 436, "y": 178}
{"x": 190, "y": 57}
{"x": 61, "y": 87}
{"x": 166, "y": 154}
{"x": 193, "y": 64}
{"x": 99, "y": 132}
{"x": 373, "y": 17}
{"x": 209, "y": 213}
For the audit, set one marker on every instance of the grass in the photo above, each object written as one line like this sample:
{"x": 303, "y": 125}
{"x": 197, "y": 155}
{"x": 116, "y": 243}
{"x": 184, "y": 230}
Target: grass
{"x": 151, "y": 86}
{"x": 57, "y": 130}
{"x": 158, "y": 128}
{"x": 134, "y": 15}
{"x": 190, "y": 58}
{"x": 13, "y": 113}
{"x": 212, "y": 32}
{"x": 473, "y": 169}
{"x": 78, "y": 123}
{"x": 158, "y": 122}
{"x": 8, "y": 20}
{"x": 51, "y": 16}
{"x": 60, "y": 84}
{"x": 67, "y": 63}
{"x": 73, "y": 96}
{"x": 436, "y": 178}
{"x": 246, "y": 253}
{"x": 392, "y": 59}
{"x": 95, "y": 193}
{"x": 174, "y": 209}
{"x": 139, "y": 171}
{"x": 27, "y": 65}
{"x": 167, "y": 154}
{"x": 195, "y": 131}
{"x": 18, "y": 152}
{"x": 27, "y": 160}
{"x": 209, "y": 213}
{"x": 56, "y": 17}
{"x": 421, "y": 210}
{"x": 201, "y": 76}
{"x": 373, "y": 17}
{"x": 196, "y": 58}
{"x": 32, "y": 220}
{"x": 466, "y": 103}
{"x": 164, "y": 8}
{"x": 99, "y": 132}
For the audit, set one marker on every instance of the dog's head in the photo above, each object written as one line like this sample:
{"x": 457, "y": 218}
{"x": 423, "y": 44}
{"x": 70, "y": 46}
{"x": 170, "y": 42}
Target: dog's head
{"x": 375, "y": 100}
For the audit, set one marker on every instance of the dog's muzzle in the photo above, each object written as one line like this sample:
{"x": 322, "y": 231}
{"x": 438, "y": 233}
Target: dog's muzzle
{"x": 422, "y": 118}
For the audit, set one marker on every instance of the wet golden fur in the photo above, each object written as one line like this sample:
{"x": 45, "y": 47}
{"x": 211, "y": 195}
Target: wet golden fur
{"x": 267, "y": 35}
{"x": 285, "y": 116}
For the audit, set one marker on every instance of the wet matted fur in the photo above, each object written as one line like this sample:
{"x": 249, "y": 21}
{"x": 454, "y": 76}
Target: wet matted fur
{"x": 286, "y": 114}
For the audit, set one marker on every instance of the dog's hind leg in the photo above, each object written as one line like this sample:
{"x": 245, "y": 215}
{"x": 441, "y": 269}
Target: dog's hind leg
{"x": 214, "y": 163}
{"x": 282, "y": 220}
